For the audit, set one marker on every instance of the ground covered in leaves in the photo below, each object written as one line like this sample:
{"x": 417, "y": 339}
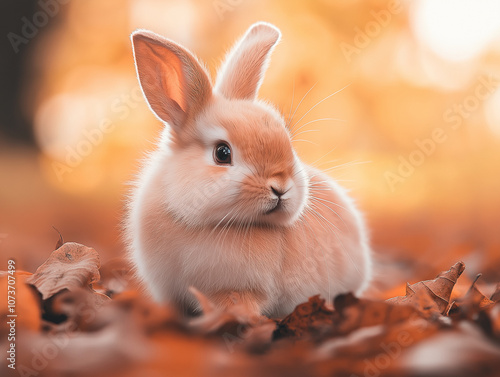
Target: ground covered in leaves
{"x": 77, "y": 318}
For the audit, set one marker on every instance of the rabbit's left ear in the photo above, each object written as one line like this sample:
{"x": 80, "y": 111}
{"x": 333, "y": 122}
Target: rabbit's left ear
{"x": 243, "y": 70}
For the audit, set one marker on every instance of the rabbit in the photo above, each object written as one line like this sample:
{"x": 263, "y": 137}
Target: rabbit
{"x": 224, "y": 204}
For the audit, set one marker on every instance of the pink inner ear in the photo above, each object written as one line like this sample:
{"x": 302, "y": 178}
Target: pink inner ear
{"x": 169, "y": 72}
{"x": 175, "y": 84}
{"x": 162, "y": 79}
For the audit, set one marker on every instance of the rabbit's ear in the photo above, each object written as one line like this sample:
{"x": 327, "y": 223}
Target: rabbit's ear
{"x": 243, "y": 70}
{"x": 174, "y": 83}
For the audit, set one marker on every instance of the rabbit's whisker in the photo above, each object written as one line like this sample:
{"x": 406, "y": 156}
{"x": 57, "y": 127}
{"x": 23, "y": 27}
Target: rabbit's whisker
{"x": 318, "y": 103}
{"x": 346, "y": 164}
{"x": 307, "y": 141}
{"x": 294, "y": 133}
{"x": 318, "y": 202}
{"x": 305, "y": 95}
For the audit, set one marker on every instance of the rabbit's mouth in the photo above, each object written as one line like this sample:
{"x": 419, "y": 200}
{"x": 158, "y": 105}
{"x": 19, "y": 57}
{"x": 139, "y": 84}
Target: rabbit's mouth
{"x": 277, "y": 207}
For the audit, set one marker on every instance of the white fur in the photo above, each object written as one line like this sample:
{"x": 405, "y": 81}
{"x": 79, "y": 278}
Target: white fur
{"x": 193, "y": 222}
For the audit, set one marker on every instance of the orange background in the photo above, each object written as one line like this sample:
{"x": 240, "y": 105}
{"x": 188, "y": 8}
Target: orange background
{"x": 411, "y": 71}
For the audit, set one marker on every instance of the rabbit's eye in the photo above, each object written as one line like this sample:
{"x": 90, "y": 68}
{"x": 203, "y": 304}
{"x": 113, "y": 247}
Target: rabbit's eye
{"x": 222, "y": 154}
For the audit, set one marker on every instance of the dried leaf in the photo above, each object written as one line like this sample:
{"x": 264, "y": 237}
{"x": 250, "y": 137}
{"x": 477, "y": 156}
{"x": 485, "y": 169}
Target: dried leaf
{"x": 235, "y": 324}
{"x": 116, "y": 277}
{"x": 494, "y": 316}
{"x": 471, "y": 304}
{"x": 76, "y": 308}
{"x": 432, "y": 296}
{"x": 477, "y": 297}
{"x": 496, "y": 295}
{"x": 149, "y": 316}
{"x": 315, "y": 319}
{"x": 354, "y": 337}
{"x": 71, "y": 266}
{"x": 60, "y": 241}
{"x": 352, "y": 314}
{"x": 303, "y": 318}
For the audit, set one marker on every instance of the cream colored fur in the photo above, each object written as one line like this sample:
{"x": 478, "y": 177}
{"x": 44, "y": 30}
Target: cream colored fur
{"x": 194, "y": 222}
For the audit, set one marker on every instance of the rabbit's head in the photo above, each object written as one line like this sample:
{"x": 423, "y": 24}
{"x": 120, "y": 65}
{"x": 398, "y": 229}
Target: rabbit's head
{"x": 225, "y": 157}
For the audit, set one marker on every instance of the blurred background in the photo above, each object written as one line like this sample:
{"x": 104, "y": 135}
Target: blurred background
{"x": 413, "y": 132}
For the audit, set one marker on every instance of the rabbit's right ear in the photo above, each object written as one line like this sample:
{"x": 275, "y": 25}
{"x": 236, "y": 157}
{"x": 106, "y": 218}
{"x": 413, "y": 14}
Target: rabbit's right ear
{"x": 243, "y": 70}
{"x": 174, "y": 83}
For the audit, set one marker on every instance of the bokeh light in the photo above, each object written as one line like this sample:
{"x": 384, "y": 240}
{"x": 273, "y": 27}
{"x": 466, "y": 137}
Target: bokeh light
{"x": 457, "y": 30}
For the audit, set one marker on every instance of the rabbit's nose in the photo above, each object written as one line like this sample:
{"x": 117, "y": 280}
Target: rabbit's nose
{"x": 278, "y": 192}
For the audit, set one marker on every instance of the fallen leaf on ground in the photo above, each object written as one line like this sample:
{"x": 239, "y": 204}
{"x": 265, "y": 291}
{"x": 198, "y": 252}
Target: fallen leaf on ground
{"x": 470, "y": 305}
{"x": 432, "y": 296}
{"x": 116, "y": 276}
{"x": 305, "y": 316}
{"x": 128, "y": 335}
{"x": 496, "y": 295}
{"x": 70, "y": 266}
{"x": 60, "y": 241}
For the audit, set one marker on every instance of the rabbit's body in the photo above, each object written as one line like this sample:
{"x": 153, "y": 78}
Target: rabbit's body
{"x": 258, "y": 223}
{"x": 286, "y": 265}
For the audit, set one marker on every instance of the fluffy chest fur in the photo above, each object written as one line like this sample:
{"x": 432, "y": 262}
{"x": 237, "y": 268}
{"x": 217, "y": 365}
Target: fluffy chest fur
{"x": 319, "y": 254}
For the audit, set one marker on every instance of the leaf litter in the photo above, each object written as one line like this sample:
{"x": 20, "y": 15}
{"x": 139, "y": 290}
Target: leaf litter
{"x": 77, "y": 318}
